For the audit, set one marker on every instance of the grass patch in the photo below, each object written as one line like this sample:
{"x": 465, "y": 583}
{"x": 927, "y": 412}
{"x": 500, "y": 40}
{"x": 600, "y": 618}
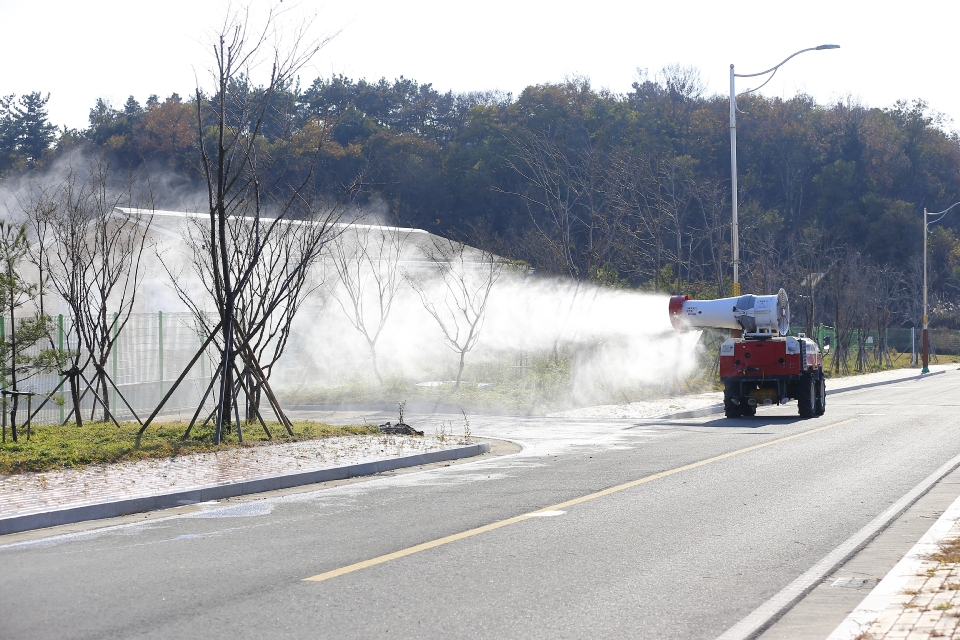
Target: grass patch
{"x": 54, "y": 447}
{"x": 898, "y": 360}
{"x": 948, "y": 553}
{"x": 546, "y": 383}
{"x": 531, "y": 397}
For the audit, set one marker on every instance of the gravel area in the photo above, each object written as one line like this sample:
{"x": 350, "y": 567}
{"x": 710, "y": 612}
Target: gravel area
{"x": 31, "y": 492}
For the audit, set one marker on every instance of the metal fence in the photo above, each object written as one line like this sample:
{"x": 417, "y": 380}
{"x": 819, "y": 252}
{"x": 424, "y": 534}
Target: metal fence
{"x": 942, "y": 341}
{"x": 150, "y": 353}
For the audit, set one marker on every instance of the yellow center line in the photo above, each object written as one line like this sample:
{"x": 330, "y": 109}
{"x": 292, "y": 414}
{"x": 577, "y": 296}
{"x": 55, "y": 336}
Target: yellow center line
{"x": 557, "y": 507}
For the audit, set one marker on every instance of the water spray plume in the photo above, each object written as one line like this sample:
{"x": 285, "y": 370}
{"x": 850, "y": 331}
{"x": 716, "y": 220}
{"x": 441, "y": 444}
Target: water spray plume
{"x": 612, "y": 339}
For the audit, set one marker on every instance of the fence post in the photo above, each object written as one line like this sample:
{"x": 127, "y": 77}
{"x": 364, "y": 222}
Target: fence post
{"x": 203, "y": 330}
{"x": 160, "y": 351}
{"x": 3, "y": 369}
{"x": 60, "y": 346}
{"x": 116, "y": 351}
{"x": 913, "y": 347}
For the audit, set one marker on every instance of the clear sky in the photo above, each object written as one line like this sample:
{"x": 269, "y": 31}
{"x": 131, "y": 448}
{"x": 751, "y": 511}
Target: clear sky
{"x": 81, "y": 50}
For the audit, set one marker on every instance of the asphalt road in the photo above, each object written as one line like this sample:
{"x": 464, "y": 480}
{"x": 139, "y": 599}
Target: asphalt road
{"x": 685, "y": 554}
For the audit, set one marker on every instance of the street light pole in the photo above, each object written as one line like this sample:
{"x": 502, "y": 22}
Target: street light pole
{"x": 735, "y": 228}
{"x": 925, "y": 339}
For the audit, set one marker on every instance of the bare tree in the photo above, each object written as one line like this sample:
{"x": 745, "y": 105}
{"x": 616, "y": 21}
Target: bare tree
{"x": 566, "y": 172}
{"x": 888, "y": 308}
{"x": 459, "y": 307}
{"x": 860, "y": 296}
{"x": 116, "y": 239}
{"x": 913, "y": 305}
{"x": 766, "y": 265}
{"x": 844, "y": 284}
{"x": 711, "y": 239}
{"x": 656, "y": 196}
{"x": 91, "y": 251}
{"x": 264, "y": 230}
{"x": 643, "y": 221}
{"x": 59, "y": 222}
{"x": 812, "y": 259}
{"x": 276, "y": 286}
{"x": 367, "y": 261}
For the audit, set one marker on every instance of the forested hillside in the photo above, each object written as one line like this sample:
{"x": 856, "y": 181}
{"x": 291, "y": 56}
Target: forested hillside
{"x": 627, "y": 190}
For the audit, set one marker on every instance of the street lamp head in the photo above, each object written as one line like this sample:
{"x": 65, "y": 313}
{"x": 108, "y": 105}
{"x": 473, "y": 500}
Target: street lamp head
{"x": 828, "y": 46}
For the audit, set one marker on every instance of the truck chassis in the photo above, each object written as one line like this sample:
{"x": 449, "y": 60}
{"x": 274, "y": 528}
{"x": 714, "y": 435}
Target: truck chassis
{"x": 757, "y": 372}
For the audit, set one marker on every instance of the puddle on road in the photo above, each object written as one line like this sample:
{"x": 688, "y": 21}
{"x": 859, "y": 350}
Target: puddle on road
{"x": 245, "y": 510}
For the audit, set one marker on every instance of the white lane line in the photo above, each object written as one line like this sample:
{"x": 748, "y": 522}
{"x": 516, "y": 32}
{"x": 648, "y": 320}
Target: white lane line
{"x": 771, "y": 610}
{"x": 894, "y": 583}
{"x": 546, "y": 514}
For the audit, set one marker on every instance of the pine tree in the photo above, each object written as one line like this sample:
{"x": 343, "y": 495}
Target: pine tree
{"x": 8, "y": 133}
{"x": 34, "y": 133}
{"x": 132, "y": 108}
{"x": 23, "y": 333}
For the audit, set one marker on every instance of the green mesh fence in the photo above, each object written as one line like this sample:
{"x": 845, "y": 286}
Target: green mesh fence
{"x": 151, "y": 352}
{"x": 942, "y": 341}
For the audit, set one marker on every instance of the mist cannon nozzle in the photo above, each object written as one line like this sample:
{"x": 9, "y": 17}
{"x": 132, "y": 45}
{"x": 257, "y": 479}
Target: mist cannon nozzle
{"x": 676, "y": 312}
{"x": 763, "y": 316}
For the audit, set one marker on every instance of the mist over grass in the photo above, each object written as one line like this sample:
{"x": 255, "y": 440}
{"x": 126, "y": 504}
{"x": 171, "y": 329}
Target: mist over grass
{"x": 546, "y": 344}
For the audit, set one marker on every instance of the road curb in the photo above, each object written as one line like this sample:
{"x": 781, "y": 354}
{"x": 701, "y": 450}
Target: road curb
{"x": 895, "y": 582}
{"x": 764, "y": 616}
{"x": 718, "y": 408}
{"x": 112, "y": 509}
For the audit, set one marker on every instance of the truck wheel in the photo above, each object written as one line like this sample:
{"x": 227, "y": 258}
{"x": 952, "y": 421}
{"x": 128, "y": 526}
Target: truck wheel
{"x": 730, "y": 409}
{"x": 806, "y": 395}
{"x": 821, "y": 398}
{"x": 749, "y": 410}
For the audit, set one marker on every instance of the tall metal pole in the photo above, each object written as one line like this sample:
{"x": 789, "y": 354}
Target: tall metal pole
{"x": 735, "y": 228}
{"x": 926, "y": 318}
{"x": 925, "y": 338}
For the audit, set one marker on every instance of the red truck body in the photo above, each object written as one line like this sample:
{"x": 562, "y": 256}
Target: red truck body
{"x": 762, "y": 365}
{"x": 772, "y": 357}
{"x": 774, "y": 370}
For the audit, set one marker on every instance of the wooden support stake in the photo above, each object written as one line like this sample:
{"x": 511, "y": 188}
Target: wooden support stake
{"x": 176, "y": 384}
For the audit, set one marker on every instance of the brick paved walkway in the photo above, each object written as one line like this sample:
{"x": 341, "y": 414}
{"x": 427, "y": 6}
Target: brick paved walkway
{"x": 38, "y": 492}
{"x": 919, "y": 598}
{"x": 927, "y": 607}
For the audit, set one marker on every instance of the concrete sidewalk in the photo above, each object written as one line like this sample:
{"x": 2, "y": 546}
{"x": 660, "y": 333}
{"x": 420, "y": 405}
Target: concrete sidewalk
{"x": 918, "y": 599}
{"x": 37, "y": 500}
